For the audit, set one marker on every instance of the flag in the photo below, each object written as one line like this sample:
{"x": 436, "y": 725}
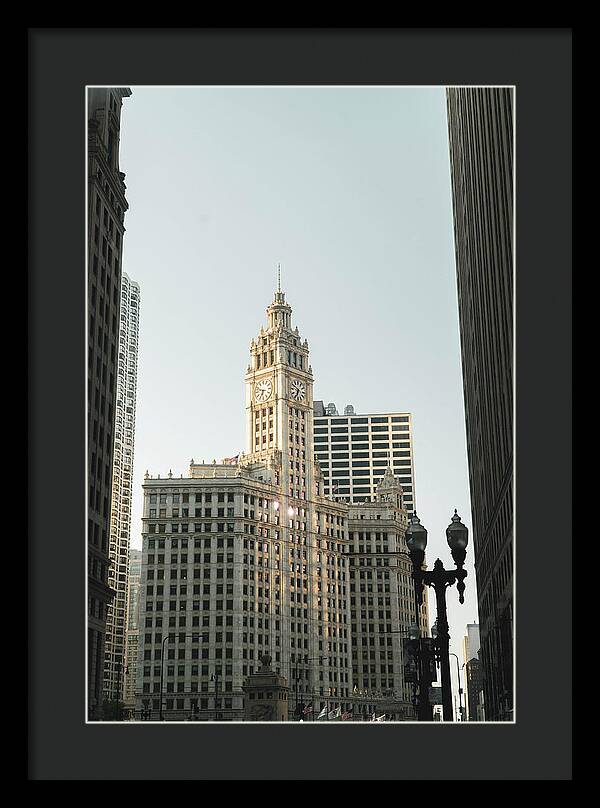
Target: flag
{"x": 308, "y": 709}
{"x": 322, "y": 714}
{"x": 334, "y": 714}
{"x": 347, "y": 716}
{"x": 230, "y": 461}
{"x": 380, "y": 718}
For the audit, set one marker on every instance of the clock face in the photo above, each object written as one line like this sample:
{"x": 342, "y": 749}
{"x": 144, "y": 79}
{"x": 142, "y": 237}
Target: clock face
{"x": 298, "y": 390}
{"x": 263, "y": 390}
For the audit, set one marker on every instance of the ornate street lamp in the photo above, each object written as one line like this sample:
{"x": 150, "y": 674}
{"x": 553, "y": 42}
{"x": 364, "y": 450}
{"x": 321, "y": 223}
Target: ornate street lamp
{"x": 215, "y": 678}
{"x": 439, "y": 578}
{"x": 416, "y": 541}
{"x": 172, "y": 636}
{"x": 460, "y": 690}
{"x": 414, "y": 632}
{"x": 457, "y": 537}
{"x": 423, "y": 659}
{"x": 297, "y": 664}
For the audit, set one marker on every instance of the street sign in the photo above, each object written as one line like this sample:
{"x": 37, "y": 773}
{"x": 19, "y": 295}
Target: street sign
{"x": 409, "y": 655}
{"x": 428, "y": 646}
{"x": 435, "y": 695}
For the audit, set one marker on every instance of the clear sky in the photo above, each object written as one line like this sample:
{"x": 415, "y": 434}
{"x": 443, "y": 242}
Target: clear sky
{"x": 349, "y": 188}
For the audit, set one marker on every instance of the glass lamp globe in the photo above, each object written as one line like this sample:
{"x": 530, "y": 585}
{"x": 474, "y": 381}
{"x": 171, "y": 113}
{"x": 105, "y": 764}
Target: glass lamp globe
{"x": 416, "y": 535}
{"x": 457, "y": 534}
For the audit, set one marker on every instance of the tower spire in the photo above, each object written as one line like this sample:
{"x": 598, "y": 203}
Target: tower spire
{"x": 279, "y": 295}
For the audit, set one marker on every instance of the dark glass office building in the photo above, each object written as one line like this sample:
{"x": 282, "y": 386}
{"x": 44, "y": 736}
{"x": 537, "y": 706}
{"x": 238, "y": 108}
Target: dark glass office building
{"x": 480, "y": 126}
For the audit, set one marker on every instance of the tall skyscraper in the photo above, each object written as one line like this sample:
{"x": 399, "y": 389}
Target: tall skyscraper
{"x": 133, "y": 626}
{"x": 471, "y": 642}
{"x": 106, "y": 216}
{"x": 248, "y": 558}
{"x": 472, "y": 668}
{"x": 355, "y": 450}
{"x": 123, "y": 455}
{"x": 480, "y": 125}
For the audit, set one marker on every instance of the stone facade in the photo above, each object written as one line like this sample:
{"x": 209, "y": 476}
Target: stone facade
{"x": 106, "y": 216}
{"x": 266, "y": 695}
{"x": 248, "y": 558}
{"x": 382, "y": 601}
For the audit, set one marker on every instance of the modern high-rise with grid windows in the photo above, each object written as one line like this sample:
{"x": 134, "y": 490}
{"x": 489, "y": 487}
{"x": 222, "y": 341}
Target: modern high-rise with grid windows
{"x": 355, "y": 450}
{"x": 105, "y": 222}
{"x": 123, "y": 456}
{"x": 250, "y": 557}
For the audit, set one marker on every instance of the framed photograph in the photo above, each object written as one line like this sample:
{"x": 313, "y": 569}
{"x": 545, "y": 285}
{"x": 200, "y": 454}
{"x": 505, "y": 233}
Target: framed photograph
{"x": 304, "y": 406}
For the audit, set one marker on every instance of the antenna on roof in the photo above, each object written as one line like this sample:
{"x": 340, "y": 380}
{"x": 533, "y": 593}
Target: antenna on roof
{"x": 278, "y": 277}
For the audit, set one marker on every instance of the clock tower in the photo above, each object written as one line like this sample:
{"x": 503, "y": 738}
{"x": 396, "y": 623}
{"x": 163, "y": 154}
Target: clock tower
{"x": 279, "y": 405}
{"x": 308, "y": 581}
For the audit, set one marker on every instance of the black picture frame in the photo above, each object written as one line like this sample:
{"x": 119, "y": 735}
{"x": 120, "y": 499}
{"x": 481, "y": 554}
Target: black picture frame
{"x": 538, "y": 62}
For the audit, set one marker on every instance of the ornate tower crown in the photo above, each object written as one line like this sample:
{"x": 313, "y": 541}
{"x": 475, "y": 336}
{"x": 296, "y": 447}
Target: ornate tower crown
{"x": 389, "y": 488}
{"x": 279, "y": 313}
{"x": 278, "y": 341}
{"x": 279, "y": 386}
